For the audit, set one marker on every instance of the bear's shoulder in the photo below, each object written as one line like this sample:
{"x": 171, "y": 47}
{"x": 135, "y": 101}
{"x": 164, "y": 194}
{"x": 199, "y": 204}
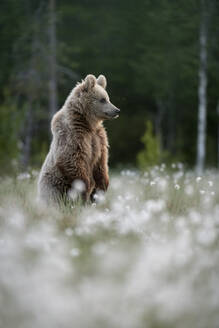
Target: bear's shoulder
{"x": 58, "y": 124}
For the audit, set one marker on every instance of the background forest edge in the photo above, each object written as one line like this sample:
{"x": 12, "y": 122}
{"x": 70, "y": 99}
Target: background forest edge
{"x": 149, "y": 52}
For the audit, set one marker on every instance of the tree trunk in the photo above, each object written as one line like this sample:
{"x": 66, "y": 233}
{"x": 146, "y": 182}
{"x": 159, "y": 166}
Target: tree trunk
{"x": 218, "y": 135}
{"x": 202, "y": 91}
{"x": 28, "y": 136}
{"x": 158, "y": 121}
{"x": 171, "y": 127}
{"x": 52, "y": 60}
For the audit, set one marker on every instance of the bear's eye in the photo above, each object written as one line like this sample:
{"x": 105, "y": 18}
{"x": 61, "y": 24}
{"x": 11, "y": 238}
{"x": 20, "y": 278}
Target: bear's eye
{"x": 103, "y": 100}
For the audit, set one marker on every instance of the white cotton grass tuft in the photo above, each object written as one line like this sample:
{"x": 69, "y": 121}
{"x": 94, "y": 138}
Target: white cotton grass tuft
{"x": 99, "y": 196}
{"x": 210, "y": 183}
{"x": 24, "y": 176}
{"x": 74, "y": 252}
{"x": 76, "y": 190}
{"x": 177, "y": 187}
{"x": 145, "y": 254}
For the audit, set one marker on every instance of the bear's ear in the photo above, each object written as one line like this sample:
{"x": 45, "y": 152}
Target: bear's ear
{"x": 102, "y": 81}
{"x": 89, "y": 82}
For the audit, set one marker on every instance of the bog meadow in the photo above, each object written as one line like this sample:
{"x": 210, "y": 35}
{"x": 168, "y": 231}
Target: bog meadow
{"x": 145, "y": 254}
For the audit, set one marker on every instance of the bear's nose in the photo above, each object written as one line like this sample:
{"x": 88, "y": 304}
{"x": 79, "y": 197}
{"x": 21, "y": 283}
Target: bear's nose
{"x": 117, "y": 110}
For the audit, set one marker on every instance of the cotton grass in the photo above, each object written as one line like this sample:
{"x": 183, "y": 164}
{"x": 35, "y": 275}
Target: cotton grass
{"x": 146, "y": 255}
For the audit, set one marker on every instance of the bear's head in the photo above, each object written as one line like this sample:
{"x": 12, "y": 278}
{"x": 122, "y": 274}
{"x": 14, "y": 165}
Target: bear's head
{"x": 91, "y": 94}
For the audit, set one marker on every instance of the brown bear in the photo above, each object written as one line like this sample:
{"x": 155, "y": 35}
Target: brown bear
{"x": 79, "y": 148}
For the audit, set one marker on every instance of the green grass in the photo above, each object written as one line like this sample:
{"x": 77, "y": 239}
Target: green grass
{"x": 146, "y": 255}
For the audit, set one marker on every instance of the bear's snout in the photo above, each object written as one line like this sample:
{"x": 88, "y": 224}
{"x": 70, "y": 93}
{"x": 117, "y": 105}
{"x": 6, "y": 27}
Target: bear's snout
{"x": 114, "y": 112}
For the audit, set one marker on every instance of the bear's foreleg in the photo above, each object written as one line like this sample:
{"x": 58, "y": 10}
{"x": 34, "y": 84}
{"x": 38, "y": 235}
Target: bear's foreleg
{"x": 77, "y": 170}
{"x": 101, "y": 176}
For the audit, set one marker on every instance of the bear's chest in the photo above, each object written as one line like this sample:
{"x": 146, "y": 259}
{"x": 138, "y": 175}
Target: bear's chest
{"x": 95, "y": 149}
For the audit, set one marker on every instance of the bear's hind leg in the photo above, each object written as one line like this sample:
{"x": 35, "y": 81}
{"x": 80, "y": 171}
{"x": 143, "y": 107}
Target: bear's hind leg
{"x": 49, "y": 193}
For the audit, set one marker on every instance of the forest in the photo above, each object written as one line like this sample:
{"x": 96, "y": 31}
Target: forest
{"x": 161, "y": 60}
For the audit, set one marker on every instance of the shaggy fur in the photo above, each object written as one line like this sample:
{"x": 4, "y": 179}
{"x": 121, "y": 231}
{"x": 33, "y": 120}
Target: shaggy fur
{"x": 79, "y": 149}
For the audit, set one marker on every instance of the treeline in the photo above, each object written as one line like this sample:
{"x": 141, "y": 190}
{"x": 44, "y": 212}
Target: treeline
{"x": 158, "y": 67}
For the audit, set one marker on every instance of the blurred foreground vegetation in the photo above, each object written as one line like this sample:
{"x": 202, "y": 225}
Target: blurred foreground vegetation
{"x": 145, "y": 255}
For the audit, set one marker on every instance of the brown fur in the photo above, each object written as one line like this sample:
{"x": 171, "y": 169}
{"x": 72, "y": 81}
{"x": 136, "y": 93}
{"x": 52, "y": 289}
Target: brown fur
{"x": 79, "y": 149}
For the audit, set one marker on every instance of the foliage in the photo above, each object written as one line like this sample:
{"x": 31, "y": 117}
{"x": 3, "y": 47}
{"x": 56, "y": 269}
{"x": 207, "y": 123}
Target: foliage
{"x": 151, "y": 154}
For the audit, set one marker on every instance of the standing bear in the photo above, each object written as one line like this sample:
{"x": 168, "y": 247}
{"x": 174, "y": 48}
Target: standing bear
{"x": 79, "y": 148}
